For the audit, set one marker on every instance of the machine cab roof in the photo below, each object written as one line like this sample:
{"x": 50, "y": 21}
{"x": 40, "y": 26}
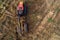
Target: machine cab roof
{"x": 20, "y": 6}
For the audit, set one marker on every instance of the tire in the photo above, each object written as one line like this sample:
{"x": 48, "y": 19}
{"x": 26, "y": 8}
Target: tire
{"x": 25, "y": 27}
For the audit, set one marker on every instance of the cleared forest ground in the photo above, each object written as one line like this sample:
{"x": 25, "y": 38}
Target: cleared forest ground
{"x": 43, "y": 18}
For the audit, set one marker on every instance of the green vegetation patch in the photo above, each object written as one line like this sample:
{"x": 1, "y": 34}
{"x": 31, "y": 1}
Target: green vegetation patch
{"x": 57, "y": 10}
{"x": 50, "y": 20}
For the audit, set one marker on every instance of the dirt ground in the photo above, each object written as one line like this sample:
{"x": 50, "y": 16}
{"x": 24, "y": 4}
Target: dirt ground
{"x": 43, "y": 20}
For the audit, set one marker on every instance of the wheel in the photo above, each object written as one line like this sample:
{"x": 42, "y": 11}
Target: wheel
{"x": 25, "y": 27}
